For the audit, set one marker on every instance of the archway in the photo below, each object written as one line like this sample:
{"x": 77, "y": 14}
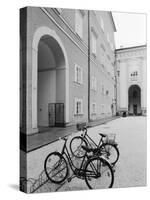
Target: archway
{"x": 51, "y": 82}
{"x": 49, "y": 71}
{"x": 134, "y": 97}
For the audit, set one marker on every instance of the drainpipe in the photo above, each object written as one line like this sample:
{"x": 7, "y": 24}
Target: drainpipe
{"x": 115, "y": 70}
{"x": 88, "y": 65}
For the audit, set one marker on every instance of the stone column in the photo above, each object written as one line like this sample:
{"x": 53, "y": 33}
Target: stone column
{"x": 144, "y": 88}
{"x": 123, "y": 87}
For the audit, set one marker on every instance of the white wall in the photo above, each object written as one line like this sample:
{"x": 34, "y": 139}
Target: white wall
{"x": 123, "y": 86}
{"x": 46, "y": 94}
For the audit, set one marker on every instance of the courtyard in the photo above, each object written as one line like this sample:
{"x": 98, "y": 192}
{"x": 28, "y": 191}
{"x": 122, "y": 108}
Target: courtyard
{"x": 130, "y": 170}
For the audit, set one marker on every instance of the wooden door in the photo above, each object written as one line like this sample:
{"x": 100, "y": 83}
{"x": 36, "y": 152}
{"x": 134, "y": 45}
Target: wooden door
{"x": 59, "y": 114}
{"x": 51, "y": 114}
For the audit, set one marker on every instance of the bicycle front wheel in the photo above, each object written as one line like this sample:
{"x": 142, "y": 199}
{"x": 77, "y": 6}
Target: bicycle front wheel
{"x": 98, "y": 174}
{"x": 56, "y": 167}
{"x": 76, "y": 146}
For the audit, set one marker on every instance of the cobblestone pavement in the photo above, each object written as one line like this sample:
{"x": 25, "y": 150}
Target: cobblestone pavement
{"x": 130, "y": 170}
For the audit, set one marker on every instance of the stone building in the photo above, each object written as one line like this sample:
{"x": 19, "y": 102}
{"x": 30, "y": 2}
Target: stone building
{"x": 67, "y": 66}
{"x": 131, "y": 80}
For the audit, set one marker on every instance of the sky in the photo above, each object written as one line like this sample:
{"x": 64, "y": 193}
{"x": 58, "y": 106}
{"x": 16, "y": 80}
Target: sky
{"x": 131, "y": 29}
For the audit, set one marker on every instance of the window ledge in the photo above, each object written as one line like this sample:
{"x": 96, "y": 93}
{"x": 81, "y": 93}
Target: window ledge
{"x": 93, "y": 90}
{"x": 93, "y": 113}
{"x": 78, "y": 83}
{"x": 76, "y": 115}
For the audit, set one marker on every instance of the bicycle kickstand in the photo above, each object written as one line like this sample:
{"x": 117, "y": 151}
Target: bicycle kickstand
{"x": 70, "y": 178}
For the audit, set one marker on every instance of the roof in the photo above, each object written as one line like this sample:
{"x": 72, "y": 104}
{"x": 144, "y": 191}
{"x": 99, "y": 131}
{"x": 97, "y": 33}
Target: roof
{"x": 132, "y": 47}
{"x": 113, "y": 22}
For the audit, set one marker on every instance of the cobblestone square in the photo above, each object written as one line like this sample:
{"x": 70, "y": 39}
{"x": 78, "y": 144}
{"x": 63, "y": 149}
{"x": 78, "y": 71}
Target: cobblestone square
{"x": 130, "y": 170}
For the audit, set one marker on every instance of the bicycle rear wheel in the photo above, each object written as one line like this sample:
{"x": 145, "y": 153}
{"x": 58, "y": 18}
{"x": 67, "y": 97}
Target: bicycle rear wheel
{"x": 56, "y": 167}
{"x": 76, "y": 146}
{"x": 98, "y": 174}
{"x": 110, "y": 152}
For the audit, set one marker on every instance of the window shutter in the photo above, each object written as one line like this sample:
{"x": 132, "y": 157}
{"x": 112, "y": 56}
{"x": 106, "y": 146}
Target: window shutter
{"x": 75, "y": 73}
{"x": 81, "y": 75}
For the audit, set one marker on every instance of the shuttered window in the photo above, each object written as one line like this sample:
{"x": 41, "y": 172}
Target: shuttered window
{"x": 78, "y": 106}
{"x": 78, "y": 74}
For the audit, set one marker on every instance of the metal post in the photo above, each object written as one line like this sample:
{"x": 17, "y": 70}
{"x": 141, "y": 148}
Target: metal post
{"x": 88, "y": 65}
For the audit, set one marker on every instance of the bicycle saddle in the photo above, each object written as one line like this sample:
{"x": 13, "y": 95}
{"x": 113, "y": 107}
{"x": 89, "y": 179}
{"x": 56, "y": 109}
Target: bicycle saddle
{"x": 103, "y": 135}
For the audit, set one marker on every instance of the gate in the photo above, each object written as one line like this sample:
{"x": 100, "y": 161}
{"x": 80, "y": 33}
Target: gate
{"x": 56, "y": 114}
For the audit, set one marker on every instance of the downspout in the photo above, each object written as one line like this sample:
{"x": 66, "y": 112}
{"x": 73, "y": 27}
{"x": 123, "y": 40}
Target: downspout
{"x": 116, "y": 92}
{"x": 88, "y": 65}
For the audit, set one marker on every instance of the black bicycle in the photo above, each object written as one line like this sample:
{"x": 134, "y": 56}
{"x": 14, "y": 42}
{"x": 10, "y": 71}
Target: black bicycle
{"x": 96, "y": 171}
{"x": 106, "y": 147}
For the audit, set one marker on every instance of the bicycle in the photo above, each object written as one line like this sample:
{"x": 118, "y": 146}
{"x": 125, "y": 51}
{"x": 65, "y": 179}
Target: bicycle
{"x": 107, "y": 148}
{"x": 96, "y": 171}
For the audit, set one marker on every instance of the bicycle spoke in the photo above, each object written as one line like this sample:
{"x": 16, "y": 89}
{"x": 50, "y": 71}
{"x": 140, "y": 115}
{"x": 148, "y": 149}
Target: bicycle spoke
{"x": 99, "y": 174}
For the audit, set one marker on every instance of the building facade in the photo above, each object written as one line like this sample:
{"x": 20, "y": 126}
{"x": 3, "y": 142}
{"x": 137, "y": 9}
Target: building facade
{"x": 131, "y": 80}
{"x": 67, "y": 65}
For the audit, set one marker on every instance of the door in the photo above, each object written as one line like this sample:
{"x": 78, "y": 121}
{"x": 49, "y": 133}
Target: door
{"x": 51, "y": 114}
{"x": 135, "y": 109}
{"x": 59, "y": 114}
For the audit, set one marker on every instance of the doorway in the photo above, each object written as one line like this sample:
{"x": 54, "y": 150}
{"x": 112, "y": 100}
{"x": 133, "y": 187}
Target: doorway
{"x": 134, "y": 98}
{"x": 135, "y": 109}
{"x": 51, "y": 81}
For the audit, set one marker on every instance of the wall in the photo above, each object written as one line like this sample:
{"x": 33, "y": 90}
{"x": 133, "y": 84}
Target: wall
{"x": 129, "y": 60}
{"x": 46, "y": 95}
{"x": 76, "y": 52}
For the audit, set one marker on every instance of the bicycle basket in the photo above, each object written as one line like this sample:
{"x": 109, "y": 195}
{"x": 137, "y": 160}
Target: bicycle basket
{"x": 80, "y": 126}
{"x": 110, "y": 138}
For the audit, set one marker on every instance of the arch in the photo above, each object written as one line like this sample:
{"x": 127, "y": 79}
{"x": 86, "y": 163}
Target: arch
{"x": 134, "y": 99}
{"x": 39, "y": 33}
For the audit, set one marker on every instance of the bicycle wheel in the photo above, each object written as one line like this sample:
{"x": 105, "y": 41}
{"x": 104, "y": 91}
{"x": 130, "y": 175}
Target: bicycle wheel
{"x": 76, "y": 146}
{"x": 98, "y": 174}
{"x": 110, "y": 152}
{"x": 56, "y": 167}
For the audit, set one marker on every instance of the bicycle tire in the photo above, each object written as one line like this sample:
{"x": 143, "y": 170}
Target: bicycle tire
{"x": 76, "y": 146}
{"x": 99, "y": 173}
{"x": 105, "y": 151}
{"x": 58, "y": 172}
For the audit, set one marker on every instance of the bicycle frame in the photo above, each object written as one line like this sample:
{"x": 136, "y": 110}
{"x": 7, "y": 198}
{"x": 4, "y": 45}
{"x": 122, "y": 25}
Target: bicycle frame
{"x": 87, "y": 138}
{"x": 71, "y": 164}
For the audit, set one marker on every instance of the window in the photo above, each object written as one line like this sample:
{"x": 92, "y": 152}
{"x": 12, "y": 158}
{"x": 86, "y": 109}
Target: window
{"x": 102, "y": 89}
{"x": 118, "y": 73}
{"x": 78, "y": 74}
{"x": 78, "y": 106}
{"x": 102, "y": 108}
{"x": 134, "y": 74}
{"x": 79, "y": 23}
{"x": 107, "y": 92}
{"x": 93, "y": 108}
{"x": 94, "y": 42}
{"x": 93, "y": 83}
{"x": 102, "y": 23}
